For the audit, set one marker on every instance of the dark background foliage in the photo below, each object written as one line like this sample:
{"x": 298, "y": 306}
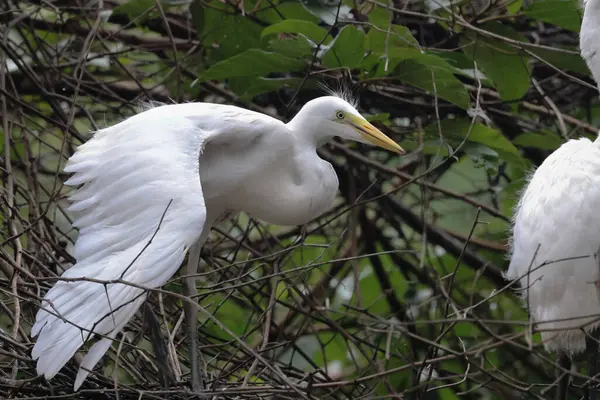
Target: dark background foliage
{"x": 398, "y": 290}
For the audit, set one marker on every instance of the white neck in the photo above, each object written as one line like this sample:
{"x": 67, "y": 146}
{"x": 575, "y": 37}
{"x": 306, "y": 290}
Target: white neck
{"x": 306, "y": 131}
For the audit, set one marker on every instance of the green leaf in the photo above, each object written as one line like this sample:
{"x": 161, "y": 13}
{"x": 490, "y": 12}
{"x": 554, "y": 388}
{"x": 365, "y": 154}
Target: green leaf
{"x": 248, "y": 88}
{"x": 465, "y": 177}
{"x": 348, "y": 50}
{"x": 305, "y": 28}
{"x": 333, "y": 347}
{"x": 454, "y": 133}
{"x": 197, "y": 10}
{"x": 251, "y": 63}
{"x": 293, "y": 47}
{"x": 371, "y": 294}
{"x": 464, "y": 66}
{"x": 493, "y": 139}
{"x": 427, "y": 59}
{"x": 225, "y": 35}
{"x": 514, "y": 6}
{"x": 432, "y": 74}
{"x": 456, "y": 59}
{"x": 134, "y": 8}
{"x": 483, "y": 157}
{"x": 563, "y": 60}
{"x": 538, "y": 140}
{"x": 380, "y": 17}
{"x": 447, "y": 394}
{"x": 330, "y": 14}
{"x": 502, "y": 64}
{"x": 563, "y": 13}
{"x": 377, "y": 117}
{"x": 285, "y": 11}
{"x": 457, "y": 129}
{"x": 229, "y": 314}
{"x": 398, "y": 36}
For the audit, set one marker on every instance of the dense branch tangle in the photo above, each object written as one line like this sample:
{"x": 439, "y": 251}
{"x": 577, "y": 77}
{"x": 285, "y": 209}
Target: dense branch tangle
{"x": 398, "y": 289}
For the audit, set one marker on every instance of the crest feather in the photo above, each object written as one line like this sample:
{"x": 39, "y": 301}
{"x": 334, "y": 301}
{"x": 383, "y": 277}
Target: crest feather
{"x": 146, "y": 105}
{"x": 343, "y": 91}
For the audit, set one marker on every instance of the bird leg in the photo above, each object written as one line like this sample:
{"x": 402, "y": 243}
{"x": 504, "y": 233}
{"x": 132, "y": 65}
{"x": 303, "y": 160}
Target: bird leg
{"x": 158, "y": 344}
{"x": 597, "y": 281}
{"x": 591, "y": 340}
{"x": 564, "y": 363}
{"x": 591, "y": 344}
{"x": 191, "y": 317}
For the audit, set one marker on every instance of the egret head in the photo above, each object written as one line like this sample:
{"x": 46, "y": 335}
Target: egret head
{"x": 329, "y": 116}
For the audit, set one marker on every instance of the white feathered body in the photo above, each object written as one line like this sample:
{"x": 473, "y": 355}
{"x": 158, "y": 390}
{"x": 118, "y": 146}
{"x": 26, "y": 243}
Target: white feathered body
{"x": 150, "y": 188}
{"x": 558, "y": 218}
{"x": 590, "y": 35}
{"x": 278, "y": 188}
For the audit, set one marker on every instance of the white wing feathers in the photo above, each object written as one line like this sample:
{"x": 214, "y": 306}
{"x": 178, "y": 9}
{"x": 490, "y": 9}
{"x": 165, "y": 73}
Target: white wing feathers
{"x": 589, "y": 34}
{"x": 140, "y": 208}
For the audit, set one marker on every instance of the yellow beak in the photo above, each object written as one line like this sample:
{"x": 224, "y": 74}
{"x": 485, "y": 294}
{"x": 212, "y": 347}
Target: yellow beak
{"x": 374, "y": 135}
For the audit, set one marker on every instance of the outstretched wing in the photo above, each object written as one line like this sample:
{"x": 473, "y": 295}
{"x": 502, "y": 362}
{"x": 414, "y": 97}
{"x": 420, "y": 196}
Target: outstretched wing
{"x": 140, "y": 207}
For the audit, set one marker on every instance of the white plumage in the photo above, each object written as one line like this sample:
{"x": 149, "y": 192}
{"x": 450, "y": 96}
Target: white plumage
{"x": 556, "y": 234}
{"x": 151, "y": 187}
{"x": 589, "y": 35}
{"x": 557, "y": 219}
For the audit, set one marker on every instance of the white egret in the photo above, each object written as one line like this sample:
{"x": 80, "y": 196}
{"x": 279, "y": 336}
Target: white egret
{"x": 556, "y": 228}
{"x": 150, "y": 188}
{"x": 556, "y": 233}
{"x": 589, "y": 35}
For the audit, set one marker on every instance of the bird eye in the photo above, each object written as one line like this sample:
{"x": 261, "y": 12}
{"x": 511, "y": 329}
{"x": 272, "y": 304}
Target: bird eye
{"x": 339, "y": 115}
